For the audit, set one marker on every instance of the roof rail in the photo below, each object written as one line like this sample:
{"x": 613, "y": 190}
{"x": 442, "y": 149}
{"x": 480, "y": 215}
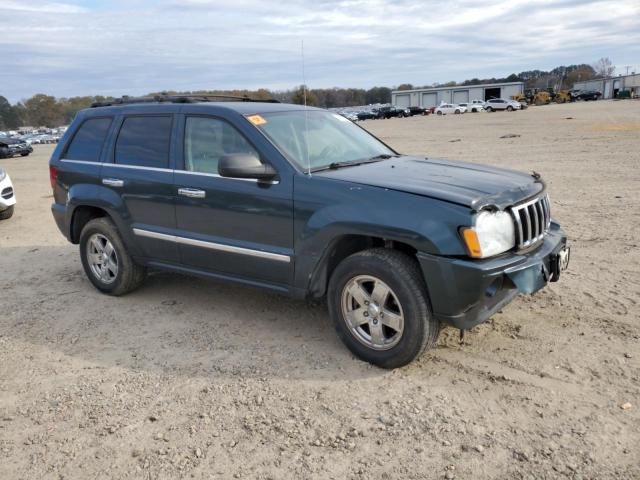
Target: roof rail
{"x": 192, "y": 98}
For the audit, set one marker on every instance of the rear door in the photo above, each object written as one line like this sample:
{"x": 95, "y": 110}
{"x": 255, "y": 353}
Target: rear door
{"x": 141, "y": 173}
{"x": 237, "y": 228}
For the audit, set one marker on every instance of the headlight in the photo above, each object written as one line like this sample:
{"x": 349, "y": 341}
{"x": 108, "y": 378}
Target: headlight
{"x": 3, "y": 174}
{"x": 492, "y": 233}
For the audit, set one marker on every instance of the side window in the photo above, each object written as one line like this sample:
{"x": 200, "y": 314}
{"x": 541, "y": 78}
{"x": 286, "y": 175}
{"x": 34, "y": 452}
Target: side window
{"x": 144, "y": 141}
{"x": 88, "y": 141}
{"x": 207, "y": 140}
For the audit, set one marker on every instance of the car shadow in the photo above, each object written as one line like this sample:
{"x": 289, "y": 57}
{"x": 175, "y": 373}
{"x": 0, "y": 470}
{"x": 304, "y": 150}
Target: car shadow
{"x": 173, "y": 324}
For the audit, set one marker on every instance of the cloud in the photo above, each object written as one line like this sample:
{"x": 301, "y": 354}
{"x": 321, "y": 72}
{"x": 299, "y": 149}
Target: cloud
{"x": 132, "y": 47}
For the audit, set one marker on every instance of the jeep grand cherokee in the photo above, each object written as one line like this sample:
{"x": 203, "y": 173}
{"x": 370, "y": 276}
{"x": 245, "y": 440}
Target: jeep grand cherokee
{"x": 303, "y": 202}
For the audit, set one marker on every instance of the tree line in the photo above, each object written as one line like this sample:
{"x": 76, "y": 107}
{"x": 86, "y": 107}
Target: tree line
{"x": 46, "y": 110}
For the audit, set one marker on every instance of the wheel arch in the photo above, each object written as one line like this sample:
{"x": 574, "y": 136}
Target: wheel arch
{"x": 342, "y": 247}
{"x": 82, "y": 215}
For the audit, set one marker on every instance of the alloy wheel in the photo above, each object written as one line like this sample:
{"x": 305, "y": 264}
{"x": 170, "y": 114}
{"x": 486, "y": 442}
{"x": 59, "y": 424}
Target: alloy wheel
{"x": 372, "y": 312}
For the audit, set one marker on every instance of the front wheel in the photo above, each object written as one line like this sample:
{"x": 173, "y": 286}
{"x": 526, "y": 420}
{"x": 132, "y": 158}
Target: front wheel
{"x": 439, "y": 113}
{"x": 457, "y": 112}
{"x": 489, "y": 109}
{"x": 509, "y": 108}
{"x": 24, "y": 154}
{"x": 105, "y": 259}
{"x": 7, "y": 213}
{"x": 378, "y": 301}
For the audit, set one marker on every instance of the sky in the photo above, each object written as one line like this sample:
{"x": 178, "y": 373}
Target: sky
{"x": 131, "y": 47}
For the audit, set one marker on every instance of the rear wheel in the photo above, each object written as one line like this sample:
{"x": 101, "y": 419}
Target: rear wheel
{"x": 105, "y": 259}
{"x": 4, "y": 152}
{"x": 378, "y": 302}
{"x": 457, "y": 112}
{"x": 24, "y": 154}
{"x": 489, "y": 109}
{"x": 439, "y": 112}
{"x": 7, "y": 213}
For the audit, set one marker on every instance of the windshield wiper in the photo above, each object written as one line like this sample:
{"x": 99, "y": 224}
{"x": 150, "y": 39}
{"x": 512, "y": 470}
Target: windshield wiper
{"x": 353, "y": 163}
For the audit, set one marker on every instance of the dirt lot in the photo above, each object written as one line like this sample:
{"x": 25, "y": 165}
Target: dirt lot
{"x": 196, "y": 379}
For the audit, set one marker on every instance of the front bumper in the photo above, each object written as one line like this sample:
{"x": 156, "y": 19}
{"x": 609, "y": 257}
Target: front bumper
{"x": 7, "y": 195}
{"x": 465, "y": 292}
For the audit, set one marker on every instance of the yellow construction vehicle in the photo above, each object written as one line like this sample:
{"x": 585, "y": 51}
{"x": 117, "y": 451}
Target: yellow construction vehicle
{"x": 541, "y": 97}
{"x": 562, "y": 96}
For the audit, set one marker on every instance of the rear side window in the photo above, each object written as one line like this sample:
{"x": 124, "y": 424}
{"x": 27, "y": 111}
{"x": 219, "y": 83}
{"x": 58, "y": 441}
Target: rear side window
{"x": 88, "y": 141}
{"x": 144, "y": 141}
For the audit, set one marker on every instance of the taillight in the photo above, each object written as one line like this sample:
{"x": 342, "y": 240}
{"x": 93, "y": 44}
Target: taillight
{"x": 53, "y": 176}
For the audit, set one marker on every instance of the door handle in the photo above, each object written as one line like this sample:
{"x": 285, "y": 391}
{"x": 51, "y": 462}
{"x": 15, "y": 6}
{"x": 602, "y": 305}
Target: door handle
{"x": 112, "y": 182}
{"x": 191, "y": 192}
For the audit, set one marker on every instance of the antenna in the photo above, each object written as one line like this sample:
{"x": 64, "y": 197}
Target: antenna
{"x": 306, "y": 117}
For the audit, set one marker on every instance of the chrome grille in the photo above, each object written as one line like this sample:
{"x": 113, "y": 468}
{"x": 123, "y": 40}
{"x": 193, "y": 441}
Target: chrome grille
{"x": 533, "y": 220}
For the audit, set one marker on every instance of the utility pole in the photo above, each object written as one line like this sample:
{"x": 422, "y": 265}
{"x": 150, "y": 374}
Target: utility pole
{"x": 627, "y": 67}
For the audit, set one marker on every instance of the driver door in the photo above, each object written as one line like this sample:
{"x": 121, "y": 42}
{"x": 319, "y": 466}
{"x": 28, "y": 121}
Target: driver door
{"x": 236, "y": 228}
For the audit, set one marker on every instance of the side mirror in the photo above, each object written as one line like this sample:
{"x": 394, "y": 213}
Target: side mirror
{"x": 242, "y": 165}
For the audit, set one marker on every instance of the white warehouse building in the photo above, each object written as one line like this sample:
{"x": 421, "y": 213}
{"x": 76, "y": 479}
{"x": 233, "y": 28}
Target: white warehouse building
{"x": 432, "y": 97}
{"x": 609, "y": 87}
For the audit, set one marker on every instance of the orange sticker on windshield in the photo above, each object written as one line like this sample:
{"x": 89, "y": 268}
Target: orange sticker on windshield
{"x": 256, "y": 120}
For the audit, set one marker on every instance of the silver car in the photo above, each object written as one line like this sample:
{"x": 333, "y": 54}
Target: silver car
{"x": 501, "y": 104}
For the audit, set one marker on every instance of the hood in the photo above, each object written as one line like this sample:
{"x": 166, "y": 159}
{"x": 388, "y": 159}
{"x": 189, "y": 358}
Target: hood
{"x": 469, "y": 184}
{"x": 11, "y": 141}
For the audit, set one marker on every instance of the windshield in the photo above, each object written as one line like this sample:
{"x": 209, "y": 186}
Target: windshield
{"x": 317, "y": 139}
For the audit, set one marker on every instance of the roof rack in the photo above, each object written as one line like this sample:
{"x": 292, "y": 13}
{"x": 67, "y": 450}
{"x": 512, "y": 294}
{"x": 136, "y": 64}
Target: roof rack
{"x": 127, "y": 100}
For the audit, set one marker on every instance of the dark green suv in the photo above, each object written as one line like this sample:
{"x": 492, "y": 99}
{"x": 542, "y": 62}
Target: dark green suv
{"x": 303, "y": 202}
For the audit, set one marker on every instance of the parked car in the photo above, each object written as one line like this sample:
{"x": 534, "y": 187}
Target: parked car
{"x": 302, "y": 202}
{"x": 10, "y": 147}
{"x": 446, "y": 108}
{"x": 417, "y": 111}
{"x": 367, "y": 115}
{"x": 501, "y": 104}
{"x": 472, "y": 107}
{"x": 391, "y": 112}
{"x": 350, "y": 116}
{"x": 587, "y": 95}
{"x": 7, "y": 196}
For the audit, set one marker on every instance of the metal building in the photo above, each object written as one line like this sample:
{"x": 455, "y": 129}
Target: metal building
{"x": 609, "y": 87}
{"x": 430, "y": 97}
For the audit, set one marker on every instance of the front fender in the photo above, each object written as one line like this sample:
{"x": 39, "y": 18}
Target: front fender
{"x": 327, "y": 210}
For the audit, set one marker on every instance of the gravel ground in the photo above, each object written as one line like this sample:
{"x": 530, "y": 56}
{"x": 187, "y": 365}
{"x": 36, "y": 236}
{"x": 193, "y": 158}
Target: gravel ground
{"x": 197, "y": 379}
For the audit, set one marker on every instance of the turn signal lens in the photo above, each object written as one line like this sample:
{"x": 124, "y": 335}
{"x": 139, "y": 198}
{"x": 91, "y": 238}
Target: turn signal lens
{"x": 472, "y": 242}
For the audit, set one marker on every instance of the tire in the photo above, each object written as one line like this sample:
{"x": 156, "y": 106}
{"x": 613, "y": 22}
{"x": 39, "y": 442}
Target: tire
{"x": 24, "y": 154}
{"x": 4, "y": 152}
{"x": 457, "y": 112}
{"x": 123, "y": 275}
{"x": 406, "y": 305}
{"x": 7, "y": 214}
{"x": 439, "y": 112}
{"x": 509, "y": 108}
{"x": 489, "y": 109}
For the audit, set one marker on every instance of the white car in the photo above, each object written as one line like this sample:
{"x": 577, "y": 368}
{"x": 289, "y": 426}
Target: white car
{"x": 501, "y": 104}
{"x": 450, "y": 108}
{"x": 7, "y": 196}
{"x": 472, "y": 107}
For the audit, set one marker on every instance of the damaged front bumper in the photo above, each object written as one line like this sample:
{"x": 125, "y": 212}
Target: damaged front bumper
{"x": 466, "y": 292}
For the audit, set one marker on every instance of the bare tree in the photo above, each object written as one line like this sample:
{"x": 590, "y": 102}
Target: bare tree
{"x": 604, "y": 67}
